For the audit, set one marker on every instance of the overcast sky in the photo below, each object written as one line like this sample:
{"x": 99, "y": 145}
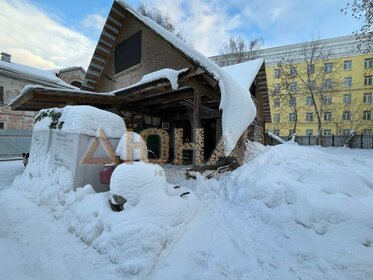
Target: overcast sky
{"x": 52, "y": 34}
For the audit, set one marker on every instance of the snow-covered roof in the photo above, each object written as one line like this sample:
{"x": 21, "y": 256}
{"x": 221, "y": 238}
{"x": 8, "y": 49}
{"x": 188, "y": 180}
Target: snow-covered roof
{"x": 32, "y": 74}
{"x": 169, "y": 74}
{"x": 238, "y": 108}
{"x": 84, "y": 120}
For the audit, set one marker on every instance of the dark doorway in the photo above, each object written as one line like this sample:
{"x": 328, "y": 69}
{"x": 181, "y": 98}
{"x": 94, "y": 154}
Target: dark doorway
{"x": 209, "y": 127}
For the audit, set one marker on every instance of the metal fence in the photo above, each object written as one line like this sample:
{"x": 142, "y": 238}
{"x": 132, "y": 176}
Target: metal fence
{"x": 360, "y": 141}
{"x": 14, "y": 142}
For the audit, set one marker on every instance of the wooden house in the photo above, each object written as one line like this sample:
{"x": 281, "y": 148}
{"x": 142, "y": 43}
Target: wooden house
{"x": 154, "y": 80}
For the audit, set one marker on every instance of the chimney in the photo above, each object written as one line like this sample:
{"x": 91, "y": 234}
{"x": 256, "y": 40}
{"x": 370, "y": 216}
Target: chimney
{"x": 5, "y": 57}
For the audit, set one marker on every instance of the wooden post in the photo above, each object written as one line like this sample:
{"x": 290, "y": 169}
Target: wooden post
{"x": 196, "y": 122}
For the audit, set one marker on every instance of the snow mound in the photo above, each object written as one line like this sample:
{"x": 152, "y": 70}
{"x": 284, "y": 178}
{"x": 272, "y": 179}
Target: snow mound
{"x": 129, "y": 180}
{"x": 83, "y": 120}
{"x": 135, "y": 239}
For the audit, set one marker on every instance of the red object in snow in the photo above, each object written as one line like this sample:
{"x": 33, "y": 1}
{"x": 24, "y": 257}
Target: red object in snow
{"x": 105, "y": 174}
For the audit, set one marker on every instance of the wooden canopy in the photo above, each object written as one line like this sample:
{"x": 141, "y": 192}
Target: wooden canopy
{"x": 147, "y": 97}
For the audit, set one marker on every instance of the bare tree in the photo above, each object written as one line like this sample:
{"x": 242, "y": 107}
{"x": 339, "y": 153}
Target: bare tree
{"x": 362, "y": 10}
{"x": 288, "y": 96}
{"x": 348, "y": 119}
{"x": 310, "y": 71}
{"x": 237, "y": 50}
{"x": 160, "y": 18}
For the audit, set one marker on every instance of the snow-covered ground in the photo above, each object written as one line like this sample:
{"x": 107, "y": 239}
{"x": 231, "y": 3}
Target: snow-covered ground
{"x": 290, "y": 212}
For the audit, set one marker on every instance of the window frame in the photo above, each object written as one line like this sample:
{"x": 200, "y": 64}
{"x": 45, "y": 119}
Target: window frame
{"x": 292, "y": 117}
{"x": 367, "y": 115}
{"x": 328, "y": 67}
{"x": 327, "y": 116}
{"x": 349, "y": 98}
{"x": 309, "y": 98}
{"x": 349, "y": 63}
{"x": 276, "y": 118}
{"x": 347, "y": 116}
{"x": 368, "y": 63}
{"x": 347, "y": 82}
{"x": 367, "y": 97}
{"x": 309, "y": 117}
{"x": 368, "y": 80}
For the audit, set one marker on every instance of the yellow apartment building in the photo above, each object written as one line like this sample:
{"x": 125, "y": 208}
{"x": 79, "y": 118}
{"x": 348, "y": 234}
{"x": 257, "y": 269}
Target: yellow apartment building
{"x": 330, "y": 79}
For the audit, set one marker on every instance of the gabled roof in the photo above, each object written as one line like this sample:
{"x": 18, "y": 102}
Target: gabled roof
{"x": 236, "y": 103}
{"x": 20, "y": 71}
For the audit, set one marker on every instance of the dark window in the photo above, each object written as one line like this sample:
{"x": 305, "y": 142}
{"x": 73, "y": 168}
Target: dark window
{"x": 1, "y": 125}
{"x": 128, "y": 53}
{"x": 1, "y": 95}
{"x": 76, "y": 84}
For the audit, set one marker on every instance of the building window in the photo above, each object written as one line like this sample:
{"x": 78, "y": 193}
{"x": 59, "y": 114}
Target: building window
{"x": 292, "y": 117}
{"x": 328, "y": 83}
{"x": 327, "y": 116}
{"x": 276, "y": 103}
{"x": 367, "y": 115}
{"x": 346, "y": 116}
{"x": 311, "y": 69}
{"x": 367, "y": 98}
{"x": 128, "y": 52}
{"x": 347, "y": 65}
{"x": 309, "y": 132}
{"x": 309, "y": 117}
{"x": 346, "y": 132}
{"x": 327, "y": 132}
{"x": 347, "y": 82}
{"x": 276, "y": 132}
{"x": 368, "y": 63}
{"x": 276, "y": 118}
{"x": 368, "y": 80}
{"x": 347, "y": 98}
{"x": 291, "y": 132}
{"x": 277, "y": 88}
{"x": 293, "y": 86}
{"x": 1, "y": 95}
{"x": 277, "y": 73}
{"x": 367, "y": 131}
{"x": 293, "y": 72}
{"x": 312, "y": 85}
{"x": 327, "y": 100}
{"x": 309, "y": 101}
{"x": 328, "y": 67}
{"x": 1, "y": 125}
{"x": 293, "y": 102}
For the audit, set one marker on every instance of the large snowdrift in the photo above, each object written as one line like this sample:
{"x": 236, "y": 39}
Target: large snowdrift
{"x": 290, "y": 212}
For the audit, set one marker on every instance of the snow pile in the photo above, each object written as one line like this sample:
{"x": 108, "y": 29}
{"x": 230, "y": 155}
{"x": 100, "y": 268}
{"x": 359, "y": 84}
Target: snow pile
{"x": 136, "y": 140}
{"x": 290, "y": 212}
{"x": 238, "y": 108}
{"x": 135, "y": 239}
{"x": 83, "y": 120}
{"x": 166, "y": 73}
{"x": 45, "y": 77}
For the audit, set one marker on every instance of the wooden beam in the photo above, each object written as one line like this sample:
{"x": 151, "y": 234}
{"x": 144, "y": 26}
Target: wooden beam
{"x": 196, "y": 122}
{"x": 147, "y": 95}
{"x": 165, "y": 99}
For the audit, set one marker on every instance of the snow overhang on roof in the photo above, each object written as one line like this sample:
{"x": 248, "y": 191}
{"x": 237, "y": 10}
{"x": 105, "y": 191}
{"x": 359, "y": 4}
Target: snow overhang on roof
{"x": 46, "y": 78}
